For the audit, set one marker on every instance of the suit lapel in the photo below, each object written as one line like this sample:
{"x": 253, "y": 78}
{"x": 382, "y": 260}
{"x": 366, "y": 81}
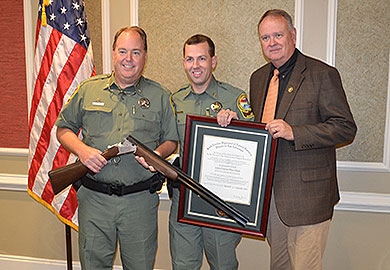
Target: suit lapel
{"x": 292, "y": 87}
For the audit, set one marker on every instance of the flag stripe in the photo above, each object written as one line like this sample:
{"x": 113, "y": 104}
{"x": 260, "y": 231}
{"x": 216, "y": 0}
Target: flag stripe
{"x": 46, "y": 64}
{"x": 37, "y": 33}
{"x": 70, "y": 206}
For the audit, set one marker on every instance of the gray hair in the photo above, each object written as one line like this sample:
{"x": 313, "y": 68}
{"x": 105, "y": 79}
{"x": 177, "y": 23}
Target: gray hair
{"x": 278, "y": 12}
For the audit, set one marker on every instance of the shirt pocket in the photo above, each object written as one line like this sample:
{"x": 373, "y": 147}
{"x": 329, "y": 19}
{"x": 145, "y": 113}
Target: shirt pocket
{"x": 98, "y": 120}
{"x": 147, "y": 126}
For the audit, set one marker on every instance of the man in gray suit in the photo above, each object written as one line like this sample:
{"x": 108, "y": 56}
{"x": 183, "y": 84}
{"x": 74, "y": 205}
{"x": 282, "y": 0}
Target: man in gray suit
{"x": 311, "y": 118}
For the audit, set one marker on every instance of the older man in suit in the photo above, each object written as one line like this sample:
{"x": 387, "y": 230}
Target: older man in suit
{"x": 302, "y": 102}
{"x": 310, "y": 118}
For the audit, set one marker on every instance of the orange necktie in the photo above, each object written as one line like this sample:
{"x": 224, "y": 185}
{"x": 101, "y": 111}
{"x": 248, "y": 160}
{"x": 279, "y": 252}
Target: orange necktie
{"x": 272, "y": 97}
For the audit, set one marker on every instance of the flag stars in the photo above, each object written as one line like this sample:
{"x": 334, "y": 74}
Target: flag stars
{"x": 79, "y": 21}
{"x": 76, "y": 6}
{"x": 69, "y": 18}
{"x": 66, "y": 26}
{"x": 83, "y": 38}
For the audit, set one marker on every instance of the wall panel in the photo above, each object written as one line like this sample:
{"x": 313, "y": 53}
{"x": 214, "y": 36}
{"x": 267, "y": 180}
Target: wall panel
{"x": 13, "y": 101}
{"x": 362, "y": 57}
{"x": 232, "y": 25}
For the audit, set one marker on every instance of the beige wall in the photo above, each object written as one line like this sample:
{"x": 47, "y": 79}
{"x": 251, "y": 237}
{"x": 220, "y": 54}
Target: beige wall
{"x": 232, "y": 25}
{"x": 358, "y": 239}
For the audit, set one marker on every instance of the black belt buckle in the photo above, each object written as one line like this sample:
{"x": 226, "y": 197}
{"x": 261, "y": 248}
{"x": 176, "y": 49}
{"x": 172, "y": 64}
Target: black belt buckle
{"x": 116, "y": 189}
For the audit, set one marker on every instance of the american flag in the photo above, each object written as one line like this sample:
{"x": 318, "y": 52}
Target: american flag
{"x": 63, "y": 58}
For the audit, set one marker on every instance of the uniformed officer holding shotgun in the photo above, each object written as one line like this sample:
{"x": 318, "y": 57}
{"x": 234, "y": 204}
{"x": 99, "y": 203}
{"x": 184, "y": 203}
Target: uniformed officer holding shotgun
{"x": 115, "y": 204}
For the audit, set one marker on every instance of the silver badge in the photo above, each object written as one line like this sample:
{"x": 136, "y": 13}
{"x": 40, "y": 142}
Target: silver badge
{"x": 144, "y": 103}
{"x": 216, "y": 106}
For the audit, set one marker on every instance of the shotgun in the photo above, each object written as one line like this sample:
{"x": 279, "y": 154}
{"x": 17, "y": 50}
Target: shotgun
{"x": 63, "y": 177}
{"x": 175, "y": 174}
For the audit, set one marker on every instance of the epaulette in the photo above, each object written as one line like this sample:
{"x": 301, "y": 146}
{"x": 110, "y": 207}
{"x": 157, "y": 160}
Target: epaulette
{"x": 147, "y": 80}
{"x": 229, "y": 87}
{"x": 150, "y": 81}
{"x": 95, "y": 78}
{"x": 86, "y": 81}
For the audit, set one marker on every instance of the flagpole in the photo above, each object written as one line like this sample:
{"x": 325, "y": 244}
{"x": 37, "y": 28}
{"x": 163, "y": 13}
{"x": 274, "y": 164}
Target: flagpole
{"x": 68, "y": 236}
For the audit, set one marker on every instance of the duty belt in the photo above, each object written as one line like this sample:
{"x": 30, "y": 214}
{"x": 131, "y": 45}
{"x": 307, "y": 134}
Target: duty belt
{"x": 152, "y": 184}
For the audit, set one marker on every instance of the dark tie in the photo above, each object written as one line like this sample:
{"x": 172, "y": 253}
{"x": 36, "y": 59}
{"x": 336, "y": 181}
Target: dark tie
{"x": 272, "y": 97}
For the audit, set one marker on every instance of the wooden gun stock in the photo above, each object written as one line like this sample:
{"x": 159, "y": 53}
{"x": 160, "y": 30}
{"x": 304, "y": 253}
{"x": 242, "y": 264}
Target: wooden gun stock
{"x": 63, "y": 177}
{"x": 164, "y": 167}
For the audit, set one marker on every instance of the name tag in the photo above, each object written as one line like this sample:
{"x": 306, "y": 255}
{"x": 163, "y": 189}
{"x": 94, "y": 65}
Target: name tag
{"x": 95, "y": 103}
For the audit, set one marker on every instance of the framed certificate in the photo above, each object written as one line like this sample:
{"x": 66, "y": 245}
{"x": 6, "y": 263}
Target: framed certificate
{"x": 236, "y": 163}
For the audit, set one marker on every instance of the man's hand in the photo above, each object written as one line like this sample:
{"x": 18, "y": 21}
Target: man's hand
{"x": 143, "y": 162}
{"x": 278, "y": 128}
{"x": 224, "y": 117}
{"x": 163, "y": 150}
{"x": 89, "y": 156}
{"x": 92, "y": 158}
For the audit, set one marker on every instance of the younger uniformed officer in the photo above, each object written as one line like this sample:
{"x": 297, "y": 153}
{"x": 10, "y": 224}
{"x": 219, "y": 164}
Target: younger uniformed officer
{"x": 203, "y": 96}
{"x": 107, "y": 109}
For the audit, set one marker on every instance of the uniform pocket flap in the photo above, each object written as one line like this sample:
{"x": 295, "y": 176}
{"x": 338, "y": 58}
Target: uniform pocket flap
{"x": 146, "y": 115}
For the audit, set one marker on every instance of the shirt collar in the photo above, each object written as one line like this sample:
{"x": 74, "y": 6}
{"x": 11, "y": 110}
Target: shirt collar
{"x": 211, "y": 90}
{"x": 112, "y": 84}
{"x": 288, "y": 66}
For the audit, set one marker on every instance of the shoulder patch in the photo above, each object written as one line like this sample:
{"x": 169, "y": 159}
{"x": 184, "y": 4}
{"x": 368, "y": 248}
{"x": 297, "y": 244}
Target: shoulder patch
{"x": 244, "y": 107}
